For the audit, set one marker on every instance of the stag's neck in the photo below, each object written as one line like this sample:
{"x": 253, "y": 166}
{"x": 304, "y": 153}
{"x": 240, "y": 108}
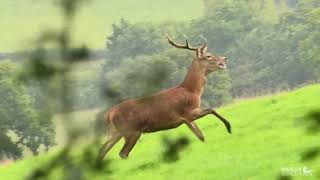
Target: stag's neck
{"x": 195, "y": 79}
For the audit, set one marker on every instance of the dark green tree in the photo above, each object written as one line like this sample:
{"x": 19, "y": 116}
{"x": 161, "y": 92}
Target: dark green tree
{"x": 17, "y": 115}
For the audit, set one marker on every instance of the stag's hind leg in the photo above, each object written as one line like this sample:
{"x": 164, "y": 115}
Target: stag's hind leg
{"x": 130, "y": 140}
{"x": 113, "y": 138}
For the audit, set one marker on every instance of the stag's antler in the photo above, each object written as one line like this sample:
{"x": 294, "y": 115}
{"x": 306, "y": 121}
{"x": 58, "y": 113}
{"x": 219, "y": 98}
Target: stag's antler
{"x": 187, "y": 46}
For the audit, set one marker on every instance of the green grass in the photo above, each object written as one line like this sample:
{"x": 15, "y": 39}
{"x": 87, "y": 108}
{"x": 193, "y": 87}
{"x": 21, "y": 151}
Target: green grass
{"x": 23, "y": 20}
{"x": 269, "y": 133}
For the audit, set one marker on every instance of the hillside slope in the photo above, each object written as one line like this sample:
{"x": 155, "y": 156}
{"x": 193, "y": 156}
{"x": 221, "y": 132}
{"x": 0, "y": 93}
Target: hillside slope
{"x": 269, "y": 134}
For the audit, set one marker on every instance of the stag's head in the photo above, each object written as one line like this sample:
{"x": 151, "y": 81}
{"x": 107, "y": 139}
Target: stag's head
{"x": 207, "y": 60}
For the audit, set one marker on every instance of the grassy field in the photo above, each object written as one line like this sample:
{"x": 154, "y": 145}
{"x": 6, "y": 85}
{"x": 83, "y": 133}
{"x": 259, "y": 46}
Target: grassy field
{"x": 269, "y": 134}
{"x": 23, "y": 20}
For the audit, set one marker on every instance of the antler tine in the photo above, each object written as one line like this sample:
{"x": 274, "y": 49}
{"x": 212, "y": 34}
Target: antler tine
{"x": 180, "y": 45}
{"x": 187, "y": 42}
{"x": 205, "y": 41}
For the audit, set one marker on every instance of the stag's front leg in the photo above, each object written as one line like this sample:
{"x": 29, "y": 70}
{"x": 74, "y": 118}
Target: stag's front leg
{"x": 194, "y": 128}
{"x": 201, "y": 113}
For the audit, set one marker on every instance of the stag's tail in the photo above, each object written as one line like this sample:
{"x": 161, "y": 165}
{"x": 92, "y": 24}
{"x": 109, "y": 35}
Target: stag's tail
{"x": 101, "y": 125}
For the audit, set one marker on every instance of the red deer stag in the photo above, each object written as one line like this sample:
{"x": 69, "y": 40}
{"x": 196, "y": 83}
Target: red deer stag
{"x": 167, "y": 109}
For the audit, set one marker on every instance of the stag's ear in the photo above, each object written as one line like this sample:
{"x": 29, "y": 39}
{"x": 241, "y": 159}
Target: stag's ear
{"x": 204, "y": 49}
{"x": 199, "y": 53}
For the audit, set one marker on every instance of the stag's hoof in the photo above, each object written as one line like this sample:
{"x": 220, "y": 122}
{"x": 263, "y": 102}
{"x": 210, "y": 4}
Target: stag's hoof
{"x": 202, "y": 139}
{"x": 228, "y": 126}
{"x": 123, "y": 155}
{"x": 229, "y": 129}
